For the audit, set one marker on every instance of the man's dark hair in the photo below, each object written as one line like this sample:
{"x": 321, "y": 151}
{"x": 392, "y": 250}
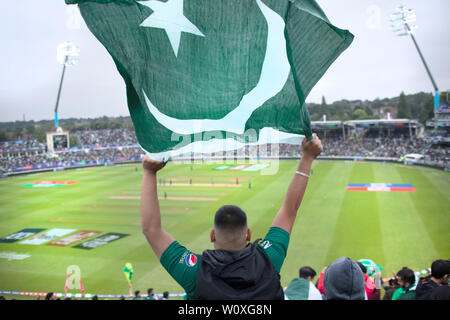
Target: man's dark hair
{"x": 363, "y": 267}
{"x": 149, "y": 291}
{"x": 306, "y": 272}
{"x": 49, "y": 296}
{"x": 407, "y": 275}
{"x": 440, "y": 268}
{"x": 136, "y": 293}
{"x": 230, "y": 218}
{"x": 393, "y": 282}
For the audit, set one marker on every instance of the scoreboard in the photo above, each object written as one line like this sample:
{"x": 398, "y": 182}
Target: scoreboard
{"x": 57, "y": 140}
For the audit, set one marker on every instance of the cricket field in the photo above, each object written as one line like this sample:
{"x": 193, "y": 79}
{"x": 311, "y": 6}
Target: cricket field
{"x": 90, "y": 218}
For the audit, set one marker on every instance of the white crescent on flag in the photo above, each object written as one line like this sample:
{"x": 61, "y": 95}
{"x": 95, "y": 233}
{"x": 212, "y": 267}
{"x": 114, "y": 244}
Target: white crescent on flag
{"x": 274, "y": 74}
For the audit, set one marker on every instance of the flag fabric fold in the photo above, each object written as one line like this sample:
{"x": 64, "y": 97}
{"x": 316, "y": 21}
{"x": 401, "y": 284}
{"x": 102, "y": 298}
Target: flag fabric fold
{"x": 219, "y": 75}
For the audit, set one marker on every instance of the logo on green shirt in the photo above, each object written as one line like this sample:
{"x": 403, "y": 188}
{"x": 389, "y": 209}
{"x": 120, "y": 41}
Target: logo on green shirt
{"x": 265, "y": 244}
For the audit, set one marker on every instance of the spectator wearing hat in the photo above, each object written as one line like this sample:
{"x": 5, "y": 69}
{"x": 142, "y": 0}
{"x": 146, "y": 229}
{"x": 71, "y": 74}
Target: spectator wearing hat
{"x": 342, "y": 280}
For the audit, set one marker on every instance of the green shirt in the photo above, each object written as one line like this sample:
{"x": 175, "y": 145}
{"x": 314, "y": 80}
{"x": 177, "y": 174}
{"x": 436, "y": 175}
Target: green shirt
{"x": 404, "y": 293}
{"x": 183, "y": 265}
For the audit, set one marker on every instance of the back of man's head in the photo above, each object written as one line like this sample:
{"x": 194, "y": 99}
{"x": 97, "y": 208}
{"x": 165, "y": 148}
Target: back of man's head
{"x": 230, "y": 218}
{"x": 230, "y": 226}
{"x": 307, "y": 272}
{"x": 440, "y": 268}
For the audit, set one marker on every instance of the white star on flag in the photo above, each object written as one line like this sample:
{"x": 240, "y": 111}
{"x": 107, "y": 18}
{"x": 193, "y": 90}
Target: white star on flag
{"x": 169, "y": 16}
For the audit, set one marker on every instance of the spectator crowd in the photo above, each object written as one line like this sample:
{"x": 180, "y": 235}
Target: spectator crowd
{"x": 344, "y": 279}
{"x": 93, "y": 147}
{"x": 106, "y": 138}
{"x": 120, "y": 145}
{"x": 21, "y": 145}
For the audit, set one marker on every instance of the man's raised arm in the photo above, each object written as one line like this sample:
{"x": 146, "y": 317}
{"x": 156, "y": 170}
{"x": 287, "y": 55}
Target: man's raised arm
{"x": 285, "y": 217}
{"x": 150, "y": 214}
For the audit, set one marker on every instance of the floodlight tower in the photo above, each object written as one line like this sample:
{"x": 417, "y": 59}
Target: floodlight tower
{"x": 67, "y": 54}
{"x": 403, "y": 24}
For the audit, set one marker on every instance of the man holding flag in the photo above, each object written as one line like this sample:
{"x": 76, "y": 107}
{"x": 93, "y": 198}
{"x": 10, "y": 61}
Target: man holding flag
{"x": 210, "y": 76}
{"x": 235, "y": 269}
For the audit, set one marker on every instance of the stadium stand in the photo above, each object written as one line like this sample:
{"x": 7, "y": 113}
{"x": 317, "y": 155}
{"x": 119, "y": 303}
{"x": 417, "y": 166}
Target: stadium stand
{"x": 363, "y": 140}
{"x": 21, "y": 146}
{"x": 97, "y": 147}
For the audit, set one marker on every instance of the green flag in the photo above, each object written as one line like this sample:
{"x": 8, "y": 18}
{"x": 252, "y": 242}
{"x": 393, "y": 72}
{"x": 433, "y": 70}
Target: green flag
{"x": 216, "y": 75}
{"x": 371, "y": 266}
{"x": 128, "y": 271}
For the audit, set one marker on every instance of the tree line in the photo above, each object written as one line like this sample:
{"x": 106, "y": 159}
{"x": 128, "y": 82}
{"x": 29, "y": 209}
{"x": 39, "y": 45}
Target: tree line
{"x": 414, "y": 106}
{"x": 28, "y": 130}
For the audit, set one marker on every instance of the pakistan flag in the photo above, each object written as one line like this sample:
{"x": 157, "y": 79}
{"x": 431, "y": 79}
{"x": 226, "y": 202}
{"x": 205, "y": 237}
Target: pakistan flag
{"x": 216, "y": 75}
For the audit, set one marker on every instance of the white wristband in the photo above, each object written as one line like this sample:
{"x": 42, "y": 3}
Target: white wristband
{"x": 302, "y": 174}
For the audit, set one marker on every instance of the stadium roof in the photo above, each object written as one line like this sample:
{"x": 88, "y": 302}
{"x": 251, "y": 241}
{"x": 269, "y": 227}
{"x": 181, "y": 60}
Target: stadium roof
{"x": 326, "y": 124}
{"x": 438, "y": 123}
{"x": 382, "y": 122}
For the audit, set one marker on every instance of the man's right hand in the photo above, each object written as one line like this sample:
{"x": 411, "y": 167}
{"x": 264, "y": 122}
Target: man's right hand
{"x": 151, "y": 165}
{"x": 311, "y": 149}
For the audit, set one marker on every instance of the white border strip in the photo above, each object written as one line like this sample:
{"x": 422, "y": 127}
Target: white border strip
{"x": 266, "y": 136}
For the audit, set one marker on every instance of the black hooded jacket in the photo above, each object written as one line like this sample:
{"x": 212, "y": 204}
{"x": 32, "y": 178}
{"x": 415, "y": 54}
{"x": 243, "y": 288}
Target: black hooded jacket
{"x": 424, "y": 288}
{"x": 247, "y": 274}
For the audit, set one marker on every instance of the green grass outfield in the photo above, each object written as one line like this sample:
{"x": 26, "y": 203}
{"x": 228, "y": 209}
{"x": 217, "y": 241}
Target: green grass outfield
{"x": 394, "y": 229}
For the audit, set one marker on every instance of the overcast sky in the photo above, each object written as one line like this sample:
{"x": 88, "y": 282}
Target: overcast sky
{"x": 378, "y": 63}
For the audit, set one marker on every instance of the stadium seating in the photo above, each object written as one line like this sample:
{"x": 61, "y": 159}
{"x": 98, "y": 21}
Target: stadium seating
{"x": 96, "y": 147}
